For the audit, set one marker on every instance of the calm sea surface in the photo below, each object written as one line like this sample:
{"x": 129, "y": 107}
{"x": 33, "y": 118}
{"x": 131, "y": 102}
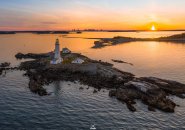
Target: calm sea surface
{"x": 68, "y": 108}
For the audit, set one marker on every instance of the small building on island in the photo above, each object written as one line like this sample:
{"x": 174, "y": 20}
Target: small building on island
{"x": 57, "y": 59}
{"x": 78, "y": 61}
{"x": 66, "y": 51}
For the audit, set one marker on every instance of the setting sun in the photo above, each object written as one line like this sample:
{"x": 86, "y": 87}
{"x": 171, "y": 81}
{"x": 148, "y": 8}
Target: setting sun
{"x": 153, "y": 28}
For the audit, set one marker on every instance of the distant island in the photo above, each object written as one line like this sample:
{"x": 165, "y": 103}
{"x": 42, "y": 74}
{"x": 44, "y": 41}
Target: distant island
{"x": 119, "y": 39}
{"x": 40, "y": 32}
{"x": 7, "y": 32}
{"x": 77, "y": 31}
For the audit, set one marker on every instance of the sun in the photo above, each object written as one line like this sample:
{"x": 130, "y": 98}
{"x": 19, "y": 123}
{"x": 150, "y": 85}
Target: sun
{"x": 153, "y": 28}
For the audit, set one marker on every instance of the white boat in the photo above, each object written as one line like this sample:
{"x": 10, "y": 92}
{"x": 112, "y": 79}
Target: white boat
{"x": 93, "y": 127}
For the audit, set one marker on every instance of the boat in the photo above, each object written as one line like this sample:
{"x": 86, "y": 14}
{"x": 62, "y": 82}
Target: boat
{"x": 93, "y": 127}
{"x": 78, "y": 32}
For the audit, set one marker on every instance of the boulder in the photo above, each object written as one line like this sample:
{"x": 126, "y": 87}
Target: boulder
{"x": 150, "y": 108}
{"x": 95, "y": 91}
{"x": 81, "y": 88}
{"x": 1, "y": 71}
{"x": 5, "y": 64}
{"x": 131, "y": 107}
{"x": 112, "y": 93}
{"x": 36, "y": 87}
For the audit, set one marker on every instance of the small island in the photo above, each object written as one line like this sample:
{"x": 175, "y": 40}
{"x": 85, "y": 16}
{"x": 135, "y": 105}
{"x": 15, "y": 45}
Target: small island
{"x": 67, "y": 66}
{"x": 7, "y": 32}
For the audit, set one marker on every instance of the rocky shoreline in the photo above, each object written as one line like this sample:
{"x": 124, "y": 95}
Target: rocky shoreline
{"x": 120, "y": 61}
{"x": 124, "y": 86}
{"x": 5, "y": 67}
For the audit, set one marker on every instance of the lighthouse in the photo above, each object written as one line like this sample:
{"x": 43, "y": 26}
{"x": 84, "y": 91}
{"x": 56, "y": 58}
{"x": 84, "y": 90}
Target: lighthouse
{"x": 57, "y": 59}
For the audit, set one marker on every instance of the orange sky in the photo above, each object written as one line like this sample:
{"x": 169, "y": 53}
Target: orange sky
{"x": 83, "y": 14}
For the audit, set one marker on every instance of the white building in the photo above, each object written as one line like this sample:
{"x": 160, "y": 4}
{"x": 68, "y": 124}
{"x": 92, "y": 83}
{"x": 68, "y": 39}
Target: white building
{"x": 78, "y": 61}
{"x": 57, "y": 57}
{"x": 66, "y": 51}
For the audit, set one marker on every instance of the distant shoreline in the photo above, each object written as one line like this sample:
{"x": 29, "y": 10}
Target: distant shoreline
{"x": 6, "y": 32}
{"x": 102, "y": 42}
{"x": 68, "y": 31}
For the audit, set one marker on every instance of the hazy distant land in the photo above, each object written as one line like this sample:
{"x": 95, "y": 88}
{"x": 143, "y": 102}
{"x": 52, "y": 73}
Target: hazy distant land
{"x": 7, "y": 32}
{"x": 179, "y": 38}
{"x": 73, "y": 31}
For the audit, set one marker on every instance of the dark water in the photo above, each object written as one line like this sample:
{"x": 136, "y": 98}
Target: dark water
{"x": 68, "y": 108}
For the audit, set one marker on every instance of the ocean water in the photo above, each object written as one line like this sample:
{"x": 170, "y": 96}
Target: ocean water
{"x": 68, "y": 108}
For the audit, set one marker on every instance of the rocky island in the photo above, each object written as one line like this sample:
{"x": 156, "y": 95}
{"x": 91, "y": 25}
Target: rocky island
{"x": 124, "y": 86}
{"x": 102, "y": 42}
{"x": 45, "y": 68}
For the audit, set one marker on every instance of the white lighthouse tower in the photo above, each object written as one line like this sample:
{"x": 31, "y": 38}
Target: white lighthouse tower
{"x": 57, "y": 57}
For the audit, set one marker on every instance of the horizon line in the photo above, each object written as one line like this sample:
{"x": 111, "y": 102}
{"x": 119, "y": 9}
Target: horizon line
{"x": 72, "y": 30}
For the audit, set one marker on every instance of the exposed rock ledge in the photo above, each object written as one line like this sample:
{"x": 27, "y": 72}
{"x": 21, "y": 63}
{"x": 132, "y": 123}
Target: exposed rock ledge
{"x": 124, "y": 86}
{"x": 151, "y": 91}
{"x": 5, "y": 67}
